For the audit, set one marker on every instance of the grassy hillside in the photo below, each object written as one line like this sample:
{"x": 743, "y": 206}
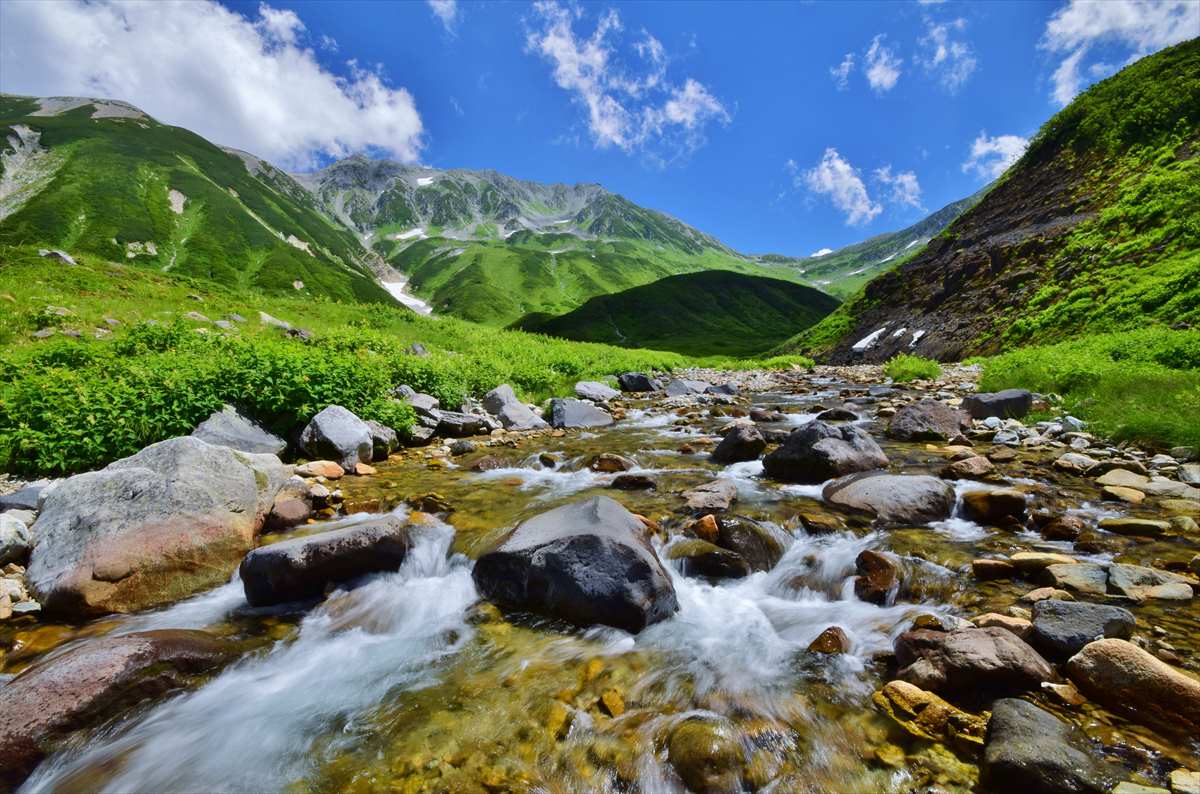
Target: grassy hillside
{"x": 707, "y": 313}
{"x": 127, "y": 188}
{"x": 1095, "y": 229}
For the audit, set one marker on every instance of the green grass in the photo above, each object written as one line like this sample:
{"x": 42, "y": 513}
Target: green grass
{"x": 697, "y": 314}
{"x": 1139, "y": 385}
{"x": 73, "y": 404}
{"x": 903, "y": 368}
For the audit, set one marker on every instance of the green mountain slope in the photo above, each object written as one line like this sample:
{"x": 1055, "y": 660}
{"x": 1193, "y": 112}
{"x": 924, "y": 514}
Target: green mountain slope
{"x": 101, "y": 177}
{"x": 1095, "y": 228}
{"x": 846, "y": 270}
{"x": 707, "y": 313}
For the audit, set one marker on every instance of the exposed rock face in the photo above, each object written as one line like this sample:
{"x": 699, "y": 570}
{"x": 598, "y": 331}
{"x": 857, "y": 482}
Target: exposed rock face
{"x": 88, "y": 683}
{"x": 595, "y": 391}
{"x": 892, "y": 499}
{"x": 1010, "y": 403}
{"x": 587, "y": 563}
{"x": 229, "y": 427}
{"x": 152, "y": 528}
{"x": 1130, "y": 681}
{"x": 513, "y": 414}
{"x": 970, "y": 661}
{"x": 301, "y": 568}
{"x": 743, "y": 442}
{"x": 817, "y": 451}
{"x": 927, "y": 420}
{"x": 637, "y": 382}
{"x": 565, "y": 412}
{"x": 338, "y": 435}
{"x": 1062, "y": 628}
{"x": 1031, "y": 750}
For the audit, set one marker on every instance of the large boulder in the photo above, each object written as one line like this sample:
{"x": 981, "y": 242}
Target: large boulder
{"x": 1124, "y": 678}
{"x": 384, "y": 440}
{"x": 892, "y": 499}
{"x": 337, "y": 434}
{"x": 229, "y": 427}
{"x": 816, "y": 452}
{"x": 87, "y": 684}
{"x": 927, "y": 420}
{"x": 595, "y": 391}
{"x": 1032, "y": 751}
{"x": 587, "y": 563}
{"x": 637, "y": 382}
{"x": 302, "y": 568}
{"x": 513, "y": 414}
{"x": 566, "y": 412}
{"x": 743, "y": 442}
{"x": 970, "y": 662}
{"x": 1062, "y": 628}
{"x": 1010, "y": 403}
{"x": 152, "y": 528}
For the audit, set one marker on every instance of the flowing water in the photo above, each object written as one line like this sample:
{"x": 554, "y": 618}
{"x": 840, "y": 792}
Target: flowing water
{"x": 406, "y": 683}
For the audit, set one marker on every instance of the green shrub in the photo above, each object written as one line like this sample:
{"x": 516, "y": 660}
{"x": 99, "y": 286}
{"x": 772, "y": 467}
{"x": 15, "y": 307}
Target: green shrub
{"x": 903, "y": 367}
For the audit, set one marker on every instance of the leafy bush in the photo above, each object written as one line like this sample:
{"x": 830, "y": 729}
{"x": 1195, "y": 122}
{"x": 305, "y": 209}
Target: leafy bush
{"x": 904, "y": 367}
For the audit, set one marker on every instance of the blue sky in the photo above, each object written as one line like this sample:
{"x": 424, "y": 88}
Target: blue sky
{"x": 785, "y": 127}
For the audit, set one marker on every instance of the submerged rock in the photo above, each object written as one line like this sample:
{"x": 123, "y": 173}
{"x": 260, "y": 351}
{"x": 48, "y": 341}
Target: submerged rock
{"x": 152, "y": 528}
{"x": 338, "y": 435}
{"x": 707, "y": 755}
{"x": 927, "y": 420}
{"x": 701, "y": 558}
{"x": 587, "y": 563}
{"x": 817, "y": 451}
{"x": 229, "y": 427}
{"x": 892, "y": 499}
{"x": 1031, "y": 750}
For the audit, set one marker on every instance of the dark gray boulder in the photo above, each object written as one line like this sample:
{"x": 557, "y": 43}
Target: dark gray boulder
{"x": 384, "y": 440}
{"x": 27, "y": 498}
{"x": 637, "y": 382}
{"x": 927, "y": 420}
{"x": 566, "y": 412}
{"x": 1010, "y": 403}
{"x": 837, "y": 415}
{"x": 1062, "y": 628}
{"x": 231, "y": 428}
{"x": 743, "y": 442}
{"x": 1032, "y": 751}
{"x": 422, "y": 404}
{"x": 700, "y": 558}
{"x": 595, "y": 391}
{"x": 816, "y": 452}
{"x": 301, "y": 568}
{"x": 587, "y": 563}
{"x": 680, "y": 387}
{"x": 970, "y": 662}
{"x": 337, "y": 434}
{"x": 455, "y": 424}
{"x": 513, "y": 414}
{"x": 727, "y": 389}
{"x": 892, "y": 499}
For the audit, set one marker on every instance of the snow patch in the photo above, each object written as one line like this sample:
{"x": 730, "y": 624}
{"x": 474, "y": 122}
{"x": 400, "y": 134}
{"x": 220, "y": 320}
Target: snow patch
{"x": 868, "y": 340}
{"x": 422, "y": 181}
{"x": 916, "y": 338}
{"x": 820, "y": 253}
{"x": 887, "y": 258}
{"x": 418, "y": 233}
{"x": 898, "y": 332}
{"x": 397, "y": 289}
{"x": 177, "y": 200}
{"x": 917, "y": 241}
{"x": 296, "y": 242}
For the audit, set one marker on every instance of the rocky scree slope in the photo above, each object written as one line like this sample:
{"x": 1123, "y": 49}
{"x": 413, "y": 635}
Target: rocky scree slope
{"x": 1097, "y": 226}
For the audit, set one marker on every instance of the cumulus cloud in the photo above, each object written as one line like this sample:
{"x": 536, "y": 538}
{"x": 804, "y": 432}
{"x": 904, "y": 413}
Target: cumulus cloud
{"x": 835, "y": 178}
{"x": 841, "y": 72}
{"x": 248, "y": 83}
{"x": 944, "y": 53}
{"x": 821, "y": 252}
{"x": 991, "y": 157}
{"x": 623, "y": 88}
{"x": 447, "y": 13}
{"x": 902, "y": 188}
{"x": 882, "y": 65}
{"x": 1135, "y": 27}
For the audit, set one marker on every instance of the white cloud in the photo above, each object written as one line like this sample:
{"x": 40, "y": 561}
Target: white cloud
{"x": 1139, "y": 27}
{"x": 903, "y": 188}
{"x": 946, "y": 54}
{"x": 836, "y": 178}
{"x": 820, "y": 253}
{"x": 248, "y": 84}
{"x": 634, "y": 109}
{"x": 458, "y": 109}
{"x": 447, "y": 13}
{"x": 991, "y": 157}
{"x": 841, "y": 72}
{"x": 882, "y": 65}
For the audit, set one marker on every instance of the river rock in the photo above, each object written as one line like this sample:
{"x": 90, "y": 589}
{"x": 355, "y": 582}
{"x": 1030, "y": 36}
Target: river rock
{"x": 26, "y": 498}
{"x": 456, "y": 424}
{"x": 595, "y": 391}
{"x": 303, "y": 568}
{"x": 743, "y": 442}
{"x": 837, "y": 415}
{"x": 927, "y": 420}
{"x": 707, "y": 755}
{"x": 513, "y": 414}
{"x": 384, "y": 440}
{"x": 701, "y": 558}
{"x": 1124, "y": 678}
{"x": 565, "y": 412}
{"x": 878, "y": 578}
{"x": 711, "y": 497}
{"x": 152, "y": 528}
{"x": 831, "y": 640}
{"x": 1074, "y": 462}
{"x": 680, "y": 387}
{"x": 1062, "y": 628}
{"x": 817, "y": 451}
{"x": 229, "y": 427}
{"x": 338, "y": 435}
{"x": 1137, "y": 527}
{"x": 926, "y": 716}
{"x": 1030, "y": 750}
{"x": 1007, "y": 404}
{"x": 755, "y": 542}
{"x": 1140, "y": 583}
{"x": 292, "y": 506}
{"x": 90, "y": 682}
{"x": 610, "y": 463}
{"x": 991, "y": 506}
{"x": 976, "y": 467}
{"x": 970, "y": 662}
{"x": 587, "y": 562}
{"x": 637, "y": 382}
{"x": 14, "y": 539}
{"x": 892, "y": 499}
